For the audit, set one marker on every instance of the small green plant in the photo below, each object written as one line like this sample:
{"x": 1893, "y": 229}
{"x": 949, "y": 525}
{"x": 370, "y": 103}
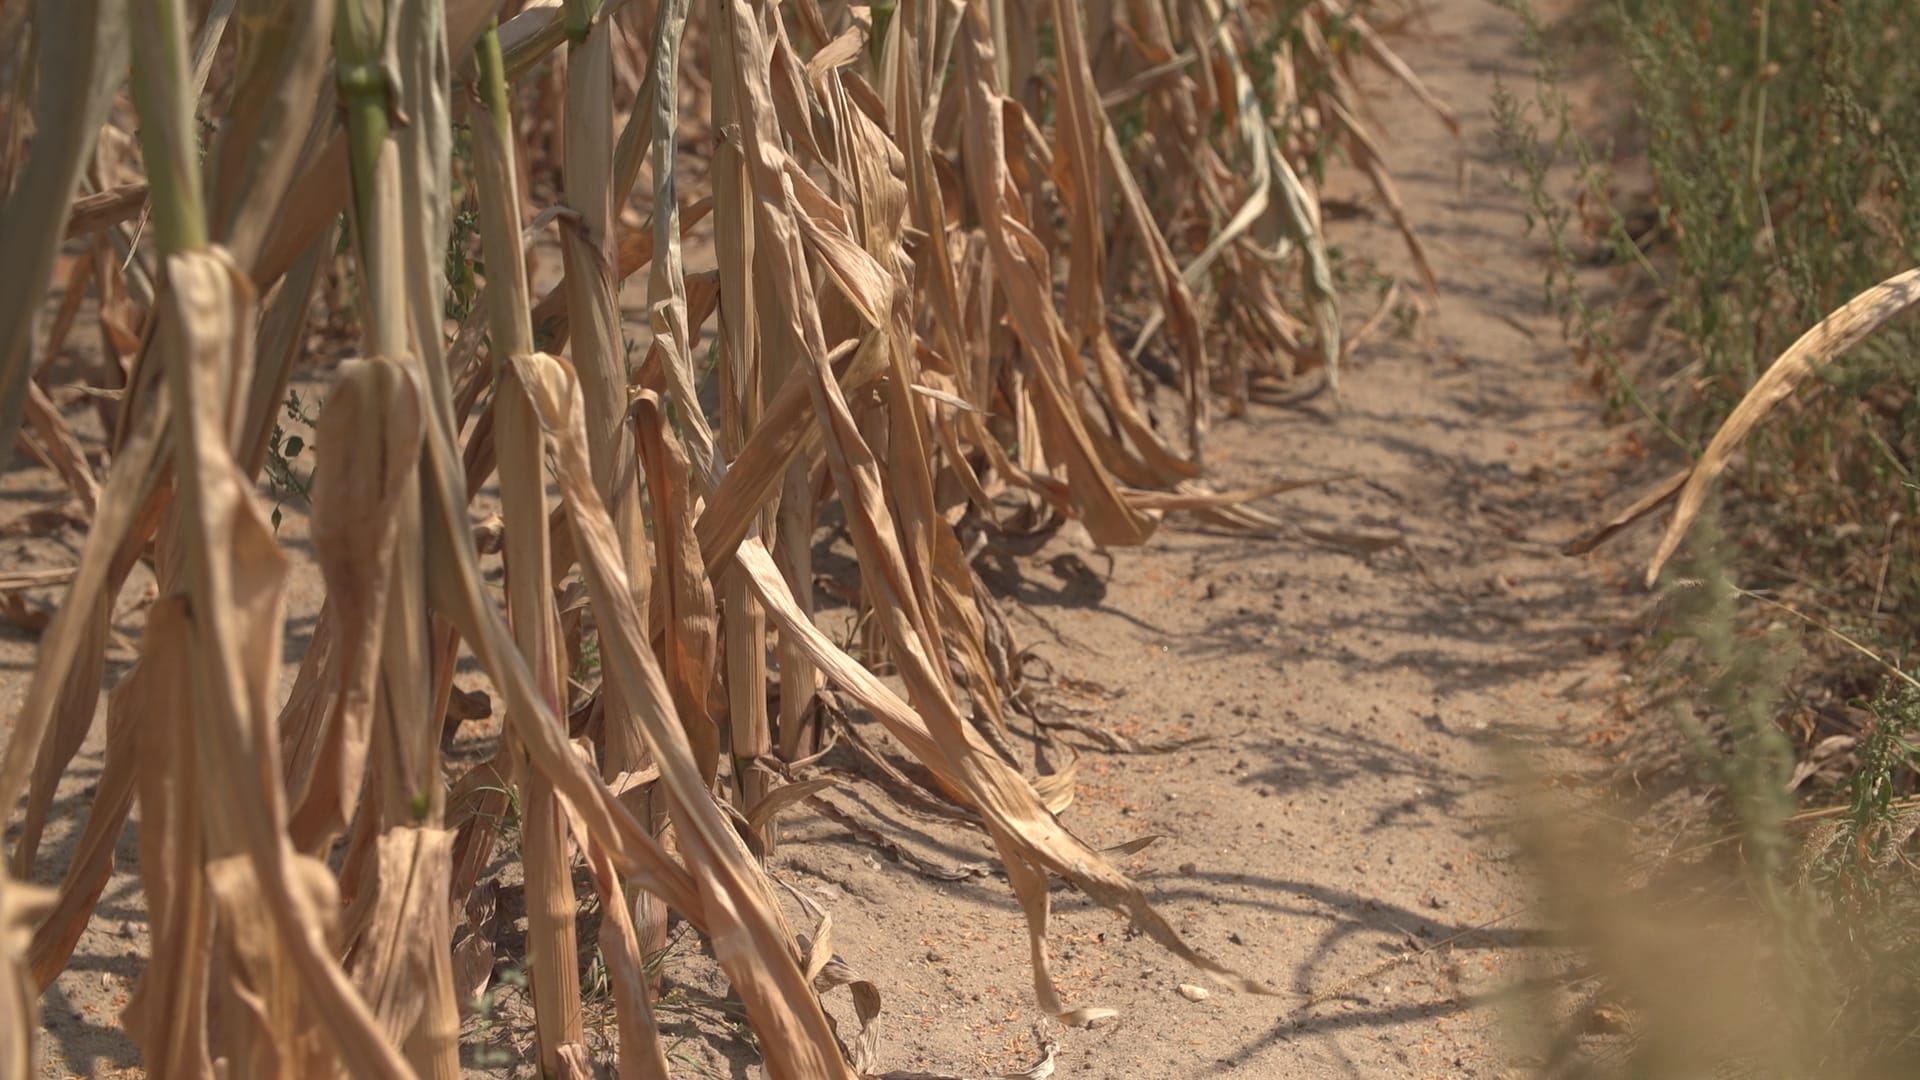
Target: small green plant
{"x": 1539, "y": 136}
{"x": 1736, "y": 683}
{"x": 465, "y": 266}
{"x": 463, "y": 269}
{"x": 586, "y": 666}
{"x": 485, "y": 1025}
{"x": 286, "y": 478}
{"x": 1858, "y": 857}
{"x": 1404, "y": 319}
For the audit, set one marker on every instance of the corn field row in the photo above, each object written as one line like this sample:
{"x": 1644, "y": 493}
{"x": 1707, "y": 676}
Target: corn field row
{"x": 926, "y": 218}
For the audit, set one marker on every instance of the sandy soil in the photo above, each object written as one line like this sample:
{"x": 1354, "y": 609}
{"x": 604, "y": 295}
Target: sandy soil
{"x": 1333, "y": 821}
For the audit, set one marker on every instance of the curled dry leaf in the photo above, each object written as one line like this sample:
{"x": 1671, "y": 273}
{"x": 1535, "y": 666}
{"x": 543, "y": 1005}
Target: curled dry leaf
{"x": 1834, "y": 335}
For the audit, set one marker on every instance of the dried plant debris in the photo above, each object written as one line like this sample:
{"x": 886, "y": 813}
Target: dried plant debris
{"x": 354, "y": 181}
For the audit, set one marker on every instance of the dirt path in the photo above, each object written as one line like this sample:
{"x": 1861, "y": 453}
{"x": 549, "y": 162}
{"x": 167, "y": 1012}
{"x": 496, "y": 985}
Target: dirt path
{"x": 1339, "y": 833}
{"x": 1337, "y": 828}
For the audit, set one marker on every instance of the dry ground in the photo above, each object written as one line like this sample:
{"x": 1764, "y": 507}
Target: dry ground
{"x": 1335, "y": 824}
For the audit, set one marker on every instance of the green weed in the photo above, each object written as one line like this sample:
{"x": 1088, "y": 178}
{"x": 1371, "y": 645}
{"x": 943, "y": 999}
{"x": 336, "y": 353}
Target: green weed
{"x": 1776, "y": 145}
{"x": 285, "y": 477}
{"x": 1776, "y": 141}
{"x": 1766, "y": 941}
{"x": 1778, "y": 137}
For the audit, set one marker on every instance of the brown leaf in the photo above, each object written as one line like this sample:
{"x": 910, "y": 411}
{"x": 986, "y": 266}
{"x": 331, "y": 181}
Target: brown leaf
{"x": 21, "y": 906}
{"x": 1833, "y": 335}
{"x": 82, "y": 55}
{"x": 742, "y": 918}
{"x": 369, "y": 441}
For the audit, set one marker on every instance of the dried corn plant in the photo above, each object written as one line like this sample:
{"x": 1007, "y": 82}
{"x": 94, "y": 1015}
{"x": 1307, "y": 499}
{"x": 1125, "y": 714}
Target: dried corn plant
{"x": 924, "y": 231}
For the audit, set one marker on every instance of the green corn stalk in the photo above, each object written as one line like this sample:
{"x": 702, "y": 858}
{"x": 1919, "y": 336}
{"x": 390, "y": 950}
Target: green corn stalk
{"x": 518, "y": 442}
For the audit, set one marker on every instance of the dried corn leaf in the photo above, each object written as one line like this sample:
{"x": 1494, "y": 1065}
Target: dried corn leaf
{"x": 104, "y": 208}
{"x": 272, "y": 1033}
{"x": 1659, "y": 495}
{"x": 1833, "y": 335}
{"x": 1029, "y": 303}
{"x": 62, "y": 694}
{"x": 1377, "y": 48}
{"x": 21, "y": 906}
{"x": 684, "y": 601}
{"x": 92, "y": 864}
{"x": 166, "y": 1016}
{"x": 282, "y": 57}
{"x": 403, "y": 952}
{"x": 827, "y": 973}
{"x": 77, "y": 698}
{"x": 369, "y": 441}
{"x": 666, "y": 285}
{"x": 235, "y": 574}
{"x": 1056, "y": 789}
{"x": 1176, "y": 299}
{"x": 1367, "y": 152}
{"x": 784, "y": 796}
{"x": 743, "y": 920}
{"x": 599, "y": 352}
{"x": 60, "y": 447}
{"x": 641, "y": 1052}
{"x": 1007, "y": 802}
{"x": 82, "y": 46}
{"x": 474, "y": 955}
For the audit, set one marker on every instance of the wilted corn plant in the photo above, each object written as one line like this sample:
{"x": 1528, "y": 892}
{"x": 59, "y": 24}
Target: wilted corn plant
{"x": 303, "y": 862}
